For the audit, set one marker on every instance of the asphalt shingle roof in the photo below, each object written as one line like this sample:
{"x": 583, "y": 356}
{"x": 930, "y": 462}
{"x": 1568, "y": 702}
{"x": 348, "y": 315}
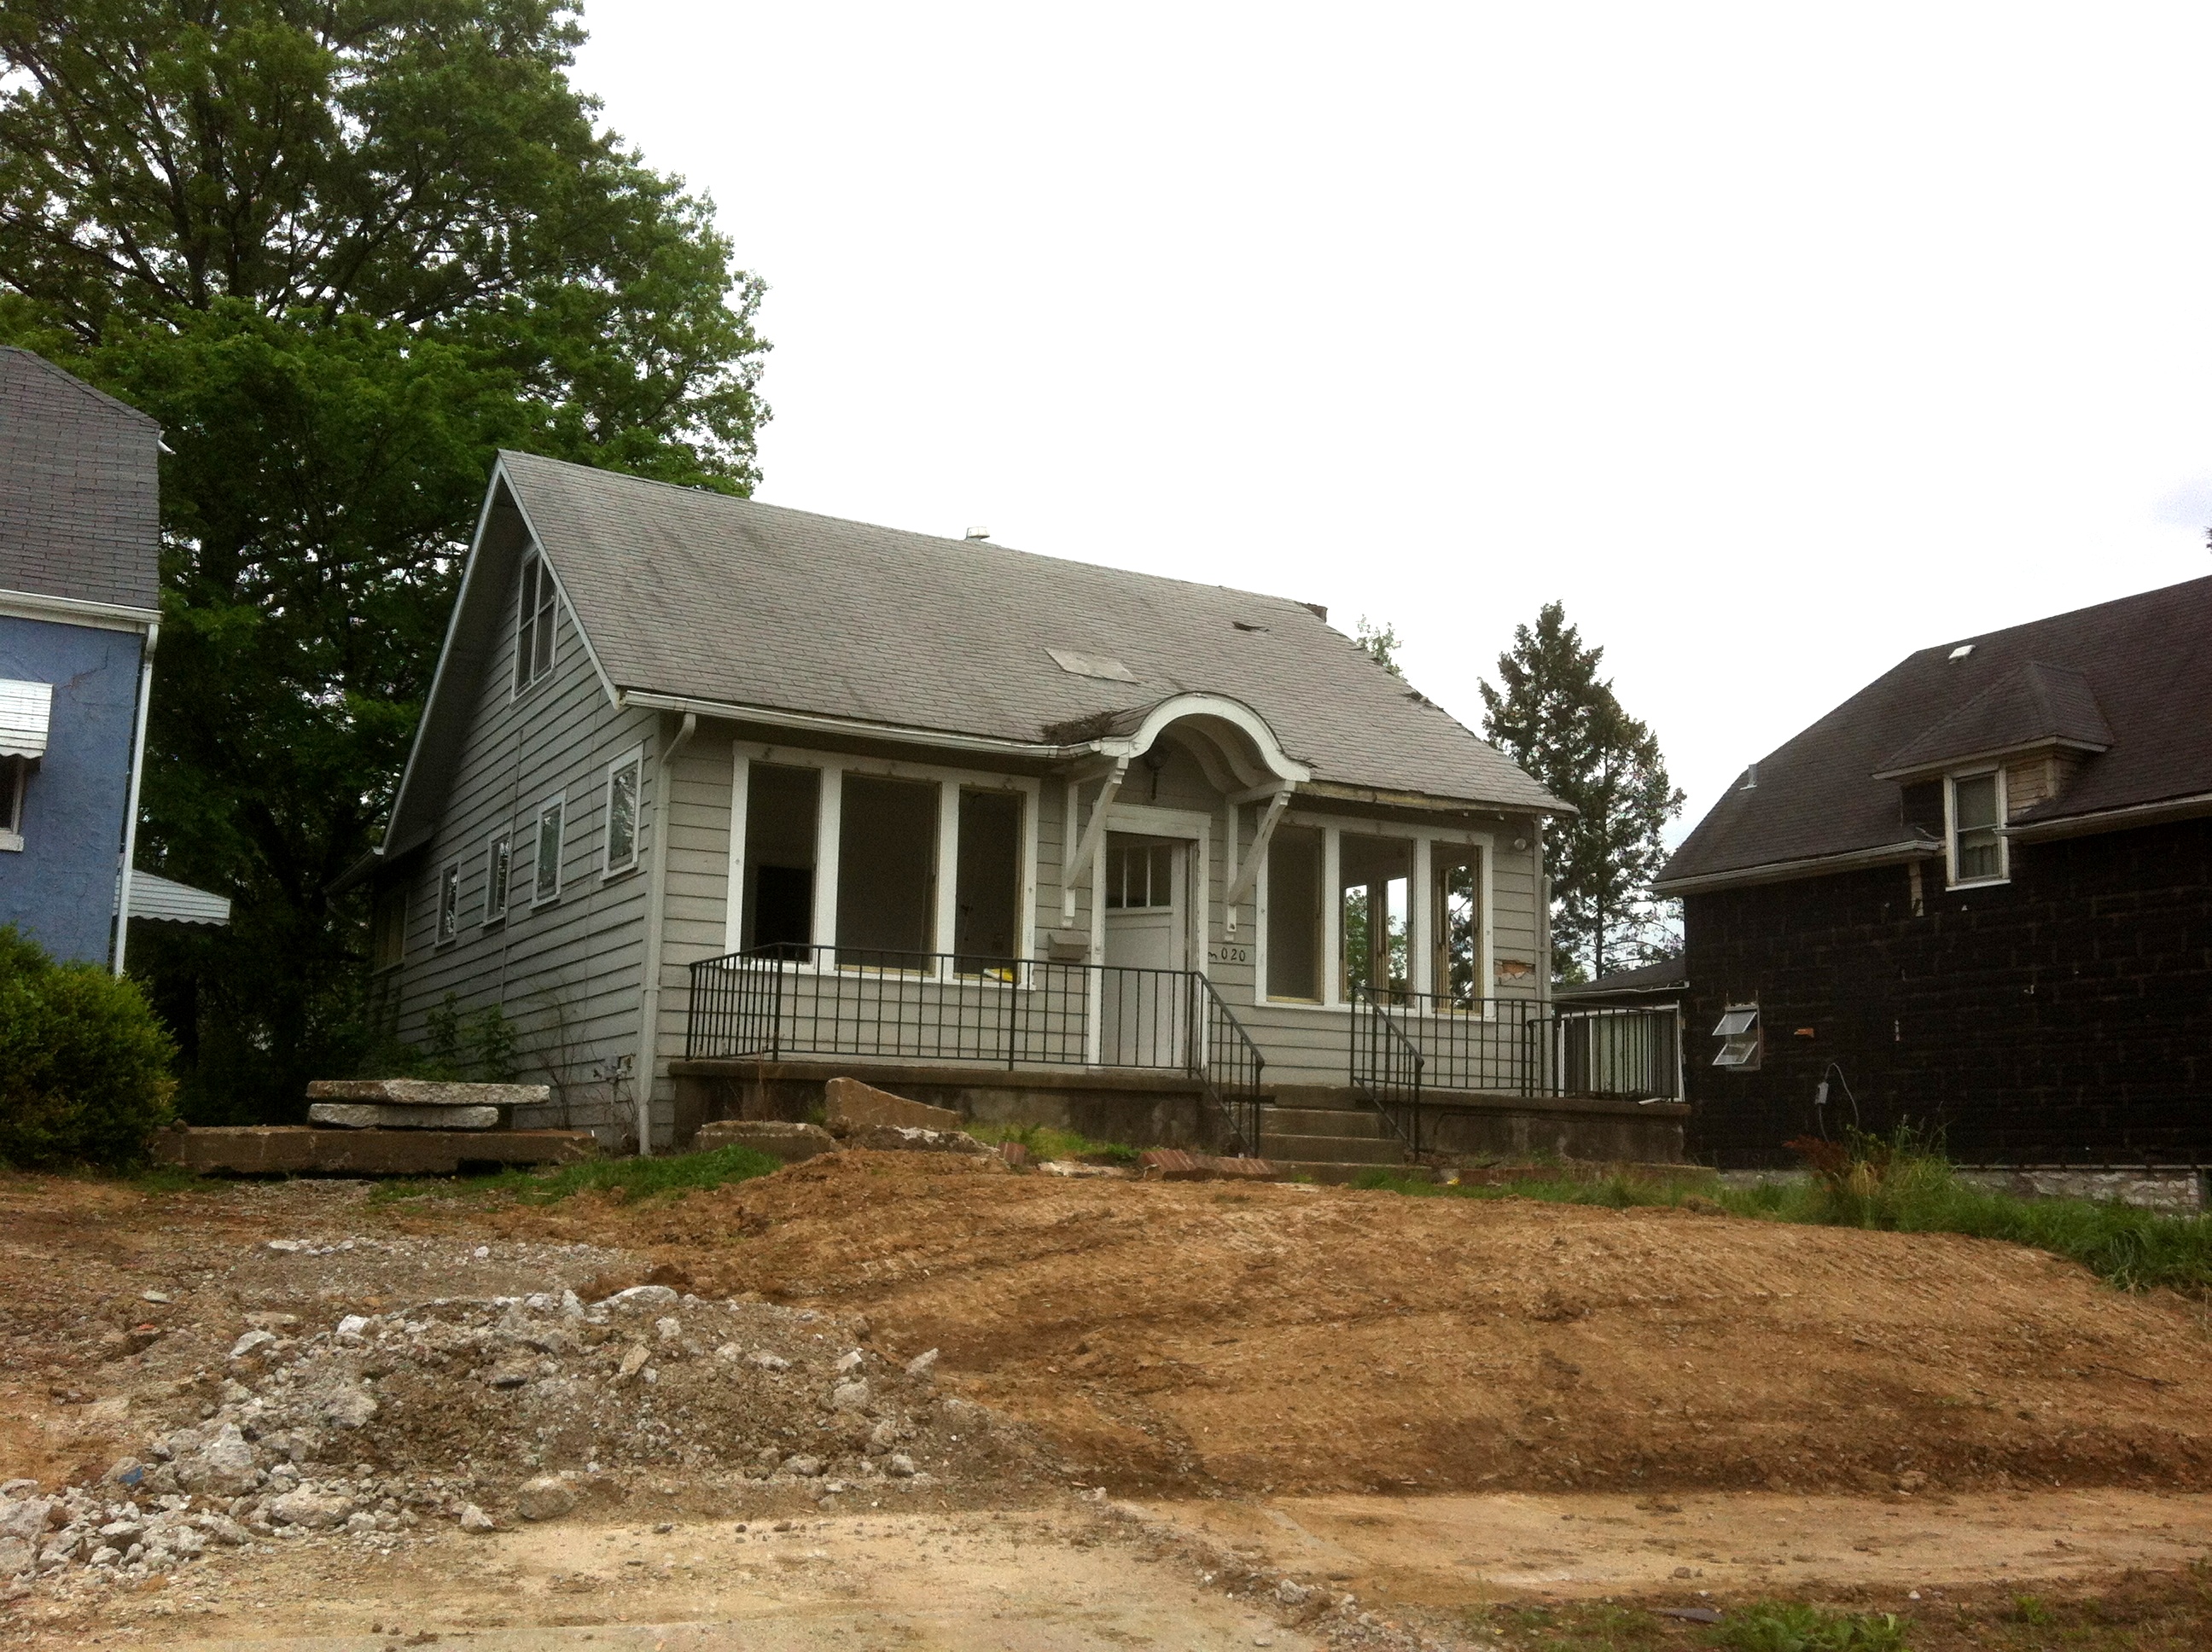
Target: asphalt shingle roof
{"x": 80, "y": 489}
{"x": 2135, "y": 675}
{"x": 687, "y": 593}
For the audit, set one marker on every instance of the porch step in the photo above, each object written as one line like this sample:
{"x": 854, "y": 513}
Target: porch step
{"x": 1362, "y": 1123}
{"x": 1332, "y": 1174}
{"x": 1315, "y": 1125}
{"x": 1333, "y": 1150}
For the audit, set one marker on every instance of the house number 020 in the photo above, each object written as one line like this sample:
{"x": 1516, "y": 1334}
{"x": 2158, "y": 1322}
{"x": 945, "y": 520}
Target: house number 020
{"x": 1229, "y": 955}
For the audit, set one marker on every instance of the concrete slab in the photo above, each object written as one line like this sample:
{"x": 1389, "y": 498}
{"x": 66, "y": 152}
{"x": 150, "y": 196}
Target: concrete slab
{"x": 382, "y": 1115}
{"x": 854, "y": 1106}
{"x": 791, "y": 1143}
{"x": 428, "y": 1092}
{"x": 279, "y": 1150}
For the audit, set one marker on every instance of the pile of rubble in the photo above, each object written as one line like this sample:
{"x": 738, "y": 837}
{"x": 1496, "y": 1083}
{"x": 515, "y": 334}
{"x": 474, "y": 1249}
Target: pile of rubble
{"x": 468, "y": 1411}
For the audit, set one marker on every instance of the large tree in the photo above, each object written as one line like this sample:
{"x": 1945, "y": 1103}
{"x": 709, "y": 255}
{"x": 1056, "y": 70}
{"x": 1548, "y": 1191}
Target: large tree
{"x": 343, "y": 251}
{"x": 1561, "y": 721}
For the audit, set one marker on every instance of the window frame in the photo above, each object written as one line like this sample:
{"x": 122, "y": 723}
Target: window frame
{"x": 15, "y": 782}
{"x": 446, "y": 914}
{"x": 608, "y": 866}
{"x": 499, "y": 875}
{"x": 1745, "y": 1041}
{"x": 1995, "y": 772}
{"x": 557, "y": 805}
{"x": 537, "y": 586}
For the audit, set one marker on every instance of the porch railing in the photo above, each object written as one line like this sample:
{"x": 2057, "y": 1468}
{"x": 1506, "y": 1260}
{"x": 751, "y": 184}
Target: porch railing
{"x": 1406, "y": 1043}
{"x": 800, "y": 1000}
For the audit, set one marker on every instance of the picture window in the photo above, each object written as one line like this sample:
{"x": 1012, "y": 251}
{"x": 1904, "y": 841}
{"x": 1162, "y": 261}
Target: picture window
{"x": 1294, "y": 945}
{"x": 886, "y": 868}
{"x": 780, "y": 805}
{"x": 988, "y": 887}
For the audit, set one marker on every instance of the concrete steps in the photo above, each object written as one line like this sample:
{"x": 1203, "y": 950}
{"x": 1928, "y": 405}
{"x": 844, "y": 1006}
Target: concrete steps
{"x": 1330, "y": 1134}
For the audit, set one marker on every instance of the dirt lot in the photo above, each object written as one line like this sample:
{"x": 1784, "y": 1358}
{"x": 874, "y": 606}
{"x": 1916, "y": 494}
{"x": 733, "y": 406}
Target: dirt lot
{"x": 1180, "y": 1414}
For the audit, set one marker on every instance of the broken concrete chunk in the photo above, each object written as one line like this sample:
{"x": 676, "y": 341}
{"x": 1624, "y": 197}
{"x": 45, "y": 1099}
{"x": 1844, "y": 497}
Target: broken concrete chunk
{"x": 849, "y": 1396}
{"x": 912, "y": 1138}
{"x": 316, "y": 1510}
{"x": 640, "y": 1298}
{"x": 922, "y": 1364}
{"x": 427, "y": 1092}
{"x": 369, "y": 1115}
{"x": 791, "y": 1143}
{"x": 633, "y": 1360}
{"x": 223, "y": 1467}
{"x": 806, "y": 1468}
{"x": 476, "y": 1522}
{"x": 767, "y": 1361}
{"x": 852, "y": 1106}
{"x": 546, "y": 1497}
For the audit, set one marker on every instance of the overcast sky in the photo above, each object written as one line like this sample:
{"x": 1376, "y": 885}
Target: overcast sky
{"x": 1778, "y": 341}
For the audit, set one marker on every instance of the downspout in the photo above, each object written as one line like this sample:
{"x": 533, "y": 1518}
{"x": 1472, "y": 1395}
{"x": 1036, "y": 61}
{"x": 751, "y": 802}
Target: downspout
{"x": 131, "y": 809}
{"x": 656, "y": 897}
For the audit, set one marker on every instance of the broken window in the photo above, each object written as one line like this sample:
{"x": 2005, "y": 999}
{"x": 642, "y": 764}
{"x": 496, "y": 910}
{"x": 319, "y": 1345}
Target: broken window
{"x": 533, "y": 628}
{"x": 1738, "y": 1032}
{"x": 622, "y": 812}
{"x": 988, "y": 891}
{"x": 778, "y": 917}
{"x": 499, "y": 867}
{"x": 1977, "y": 848}
{"x": 545, "y": 858}
{"x": 449, "y": 902}
{"x": 1375, "y": 878}
{"x": 1456, "y": 923}
{"x": 1294, "y": 912}
{"x": 1140, "y": 876}
{"x": 887, "y": 868}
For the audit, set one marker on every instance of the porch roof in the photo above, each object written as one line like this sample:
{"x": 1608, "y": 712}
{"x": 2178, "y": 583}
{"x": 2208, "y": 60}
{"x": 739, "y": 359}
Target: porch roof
{"x": 704, "y": 597}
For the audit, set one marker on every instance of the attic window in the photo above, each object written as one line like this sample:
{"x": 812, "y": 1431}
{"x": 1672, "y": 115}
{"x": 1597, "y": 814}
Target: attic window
{"x": 1104, "y": 666}
{"x": 1961, "y": 651}
{"x": 533, "y": 624}
{"x": 1738, "y": 1032}
{"x": 1976, "y": 812}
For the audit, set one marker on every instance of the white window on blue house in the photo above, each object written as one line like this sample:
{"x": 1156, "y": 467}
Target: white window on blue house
{"x": 622, "y": 812}
{"x": 533, "y": 623}
{"x": 14, "y": 780}
{"x": 546, "y": 858}
{"x": 499, "y": 871}
{"x": 26, "y": 713}
{"x": 449, "y": 902}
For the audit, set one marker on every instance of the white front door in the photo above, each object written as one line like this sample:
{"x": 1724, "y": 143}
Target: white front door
{"x": 1141, "y": 1008}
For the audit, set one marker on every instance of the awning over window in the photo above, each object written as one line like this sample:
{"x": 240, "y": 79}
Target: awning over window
{"x": 161, "y": 899}
{"x": 25, "y": 709}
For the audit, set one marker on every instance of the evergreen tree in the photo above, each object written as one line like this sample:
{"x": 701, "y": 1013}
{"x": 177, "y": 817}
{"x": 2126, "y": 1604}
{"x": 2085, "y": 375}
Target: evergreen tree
{"x": 344, "y": 251}
{"x": 1560, "y": 720}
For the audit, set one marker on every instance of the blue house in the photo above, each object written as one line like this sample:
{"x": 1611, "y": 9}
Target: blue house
{"x": 80, "y": 583}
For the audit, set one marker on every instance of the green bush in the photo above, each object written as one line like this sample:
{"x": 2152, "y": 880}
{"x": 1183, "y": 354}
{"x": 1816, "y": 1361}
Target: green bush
{"x": 455, "y": 1048}
{"x": 84, "y": 1066}
{"x": 1767, "y": 1626}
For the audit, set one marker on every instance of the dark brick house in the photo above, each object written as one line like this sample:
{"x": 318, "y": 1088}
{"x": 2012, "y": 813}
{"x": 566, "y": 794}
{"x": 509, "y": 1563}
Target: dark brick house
{"x": 1976, "y": 895}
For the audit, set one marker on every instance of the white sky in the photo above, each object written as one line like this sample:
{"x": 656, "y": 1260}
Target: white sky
{"x": 1778, "y": 342}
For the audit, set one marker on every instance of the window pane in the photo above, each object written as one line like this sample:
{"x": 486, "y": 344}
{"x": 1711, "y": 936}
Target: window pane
{"x": 548, "y": 852}
{"x": 779, "y": 882}
{"x": 622, "y": 817}
{"x": 1980, "y": 855}
{"x": 1117, "y": 877}
{"x": 1457, "y": 919}
{"x": 886, "y": 866}
{"x": 987, "y": 895}
{"x": 541, "y": 656}
{"x": 495, "y": 878}
{"x": 1975, "y": 801}
{"x": 526, "y": 623}
{"x": 1294, "y": 912}
{"x": 449, "y": 903}
{"x": 1374, "y": 876}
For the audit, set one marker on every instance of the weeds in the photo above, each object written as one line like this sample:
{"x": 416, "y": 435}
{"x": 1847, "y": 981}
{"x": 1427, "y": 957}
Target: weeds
{"x": 1769, "y": 1626}
{"x": 1047, "y": 1141}
{"x": 1900, "y": 1183}
{"x": 628, "y": 1178}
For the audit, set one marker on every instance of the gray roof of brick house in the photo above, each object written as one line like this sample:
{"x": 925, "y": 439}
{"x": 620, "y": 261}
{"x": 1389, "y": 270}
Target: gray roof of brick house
{"x": 694, "y": 594}
{"x": 80, "y": 489}
{"x": 2132, "y": 676}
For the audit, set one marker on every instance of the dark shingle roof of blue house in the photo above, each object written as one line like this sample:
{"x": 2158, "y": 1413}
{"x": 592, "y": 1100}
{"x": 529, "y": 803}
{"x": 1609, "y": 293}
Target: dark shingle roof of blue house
{"x": 80, "y": 489}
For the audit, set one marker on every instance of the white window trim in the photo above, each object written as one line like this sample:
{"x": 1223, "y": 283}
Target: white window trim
{"x": 1951, "y": 878}
{"x": 608, "y": 867}
{"x": 15, "y": 778}
{"x": 833, "y": 766}
{"x": 517, "y": 686}
{"x": 1420, "y": 920}
{"x": 558, "y": 800}
{"x": 504, "y": 834}
{"x": 448, "y": 874}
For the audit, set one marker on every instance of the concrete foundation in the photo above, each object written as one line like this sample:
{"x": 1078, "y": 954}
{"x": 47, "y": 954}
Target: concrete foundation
{"x": 297, "y": 1150}
{"x": 374, "y": 1115}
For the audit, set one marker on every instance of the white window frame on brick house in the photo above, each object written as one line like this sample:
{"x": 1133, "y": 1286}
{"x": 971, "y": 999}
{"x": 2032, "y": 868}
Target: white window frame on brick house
{"x": 627, "y": 769}
{"x": 1952, "y": 830}
{"x": 449, "y": 903}
{"x": 828, "y": 827}
{"x": 555, "y": 808}
{"x": 537, "y": 610}
{"x": 499, "y": 874}
{"x": 14, "y": 782}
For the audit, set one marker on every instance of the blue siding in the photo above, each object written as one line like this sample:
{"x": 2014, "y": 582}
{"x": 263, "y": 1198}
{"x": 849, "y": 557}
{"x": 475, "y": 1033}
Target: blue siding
{"x": 60, "y": 888}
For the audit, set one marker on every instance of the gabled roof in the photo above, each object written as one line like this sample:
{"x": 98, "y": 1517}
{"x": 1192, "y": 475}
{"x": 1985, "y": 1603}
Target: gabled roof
{"x": 700, "y": 596}
{"x": 80, "y": 489}
{"x": 2128, "y": 682}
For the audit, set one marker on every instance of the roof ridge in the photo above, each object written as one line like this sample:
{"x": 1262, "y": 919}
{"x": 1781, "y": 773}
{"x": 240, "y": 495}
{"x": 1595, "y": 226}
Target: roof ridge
{"x": 1980, "y": 637}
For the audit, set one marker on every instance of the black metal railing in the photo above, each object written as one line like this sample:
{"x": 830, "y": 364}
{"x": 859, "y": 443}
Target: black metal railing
{"x": 1386, "y": 1065}
{"x": 797, "y": 1001}
{"x": 1516, "y": 1047}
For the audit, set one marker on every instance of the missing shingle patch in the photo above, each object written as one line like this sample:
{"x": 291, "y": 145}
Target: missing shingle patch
{"x": 1099, "y": 665}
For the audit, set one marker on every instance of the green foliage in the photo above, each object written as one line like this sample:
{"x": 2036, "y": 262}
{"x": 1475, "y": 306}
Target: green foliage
{"x": 343, "y": 253}
{"x": 84, "y": 1066}
{"x": 1047, "y": 1141}
{"x": 633, "y": 1178}
{"x": 1380, "y": 643}
{"x": 476, "y": 1048}
{"x": 1900, "y": 1183}
{"x": 1769, "y": 1626}
{"x": 1561, "y": 722}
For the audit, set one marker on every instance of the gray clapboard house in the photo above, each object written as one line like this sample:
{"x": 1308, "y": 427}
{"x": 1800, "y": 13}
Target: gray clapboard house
{"x": 716, "y": 798}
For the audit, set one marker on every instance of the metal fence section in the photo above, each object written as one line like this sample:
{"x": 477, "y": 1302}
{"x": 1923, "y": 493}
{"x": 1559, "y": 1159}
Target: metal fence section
{"x": 805, "y": 1000}
{"x": 1386, "y": 1065}
{"x": 1513, "y": 1047}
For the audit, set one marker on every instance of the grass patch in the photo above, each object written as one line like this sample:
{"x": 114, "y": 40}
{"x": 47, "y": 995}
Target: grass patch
{"x": 1899, "y": 1184}
{"x": 634, "y": 1178}
{"x": 1769, "y": 1626}
{"x": 1048, "y": 1141}
{"x": 166, "y": 1179}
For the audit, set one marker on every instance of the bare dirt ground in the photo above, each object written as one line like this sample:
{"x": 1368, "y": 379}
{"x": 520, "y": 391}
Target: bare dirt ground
{"x": 1217, "y": 1416}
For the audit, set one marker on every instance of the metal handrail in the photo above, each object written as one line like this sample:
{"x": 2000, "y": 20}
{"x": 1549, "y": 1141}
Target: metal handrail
{"x": 1386, "y": 1067}
{"x": 1232, "y": 1076}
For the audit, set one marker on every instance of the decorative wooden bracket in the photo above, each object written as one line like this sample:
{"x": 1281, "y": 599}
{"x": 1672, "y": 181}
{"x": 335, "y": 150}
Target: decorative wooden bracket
{"x": 1079, "y": 853}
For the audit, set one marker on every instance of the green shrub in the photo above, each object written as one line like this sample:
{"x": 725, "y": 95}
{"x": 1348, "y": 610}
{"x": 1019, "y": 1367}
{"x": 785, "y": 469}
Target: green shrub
{"x": 84, "y": 1066}
{"x": 1774, "y": 1627}
{"x": 455, "y": 1048}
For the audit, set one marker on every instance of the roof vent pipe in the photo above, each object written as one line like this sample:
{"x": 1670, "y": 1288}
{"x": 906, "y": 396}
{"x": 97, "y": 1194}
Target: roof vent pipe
{"x": 979, "y": 533}
{"x": 1750, "y": 777}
